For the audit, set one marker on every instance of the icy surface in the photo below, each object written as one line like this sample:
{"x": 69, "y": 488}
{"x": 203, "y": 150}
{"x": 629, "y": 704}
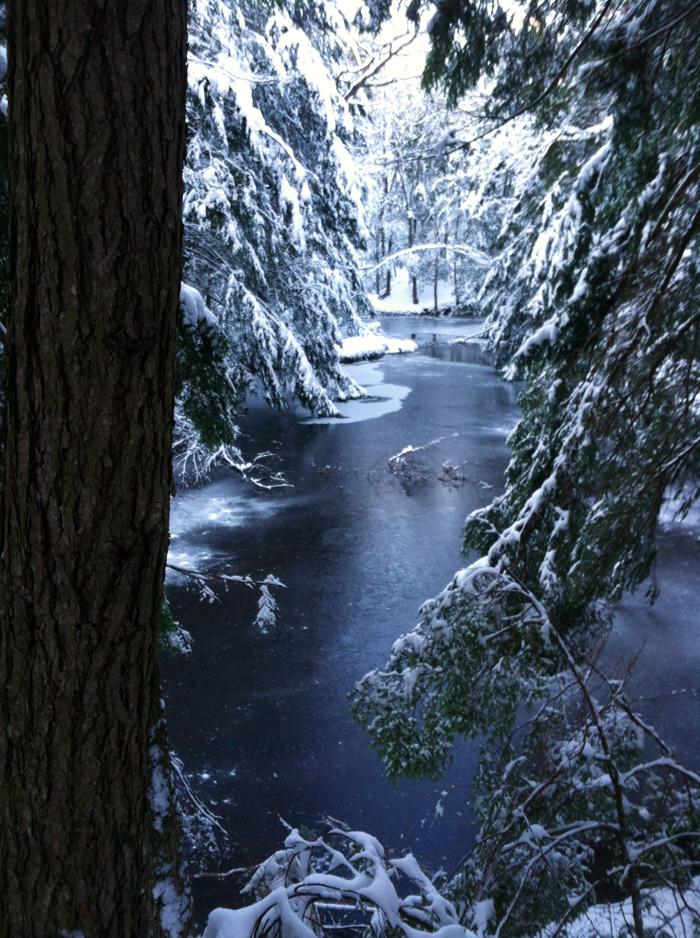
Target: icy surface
{"x": 387, "y": 398}
{"x": 200, "y": 516}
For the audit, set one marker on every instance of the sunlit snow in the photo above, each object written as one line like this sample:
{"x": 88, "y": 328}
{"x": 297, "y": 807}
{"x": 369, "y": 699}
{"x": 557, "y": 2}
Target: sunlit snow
{"x": 373, "y": 345}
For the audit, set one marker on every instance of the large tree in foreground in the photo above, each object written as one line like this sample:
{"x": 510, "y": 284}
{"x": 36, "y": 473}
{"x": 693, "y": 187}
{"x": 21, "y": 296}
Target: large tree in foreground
{"x": 96, "y": 147}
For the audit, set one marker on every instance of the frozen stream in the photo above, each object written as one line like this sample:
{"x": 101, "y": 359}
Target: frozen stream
{"x": 261, "y": 720}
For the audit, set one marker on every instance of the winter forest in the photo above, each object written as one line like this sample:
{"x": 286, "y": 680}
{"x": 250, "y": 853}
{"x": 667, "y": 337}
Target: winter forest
{"x": 320, "y": 319}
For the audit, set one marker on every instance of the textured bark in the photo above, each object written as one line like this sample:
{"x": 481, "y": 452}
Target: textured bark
{"x": 96, "y": 146}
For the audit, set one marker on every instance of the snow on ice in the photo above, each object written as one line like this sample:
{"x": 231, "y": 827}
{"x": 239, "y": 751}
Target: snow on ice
{"x": 384, "y": 399}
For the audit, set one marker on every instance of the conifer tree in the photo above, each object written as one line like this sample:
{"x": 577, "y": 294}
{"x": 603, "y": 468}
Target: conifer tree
{"x": 273, "y": 216}
{"x": 593, "y": 301}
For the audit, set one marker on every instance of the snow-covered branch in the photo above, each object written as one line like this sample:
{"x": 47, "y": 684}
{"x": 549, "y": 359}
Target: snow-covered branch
{"x": 342, "y": 880}
{"x": 463, "y": 250}
{"x": 267, "y": 606}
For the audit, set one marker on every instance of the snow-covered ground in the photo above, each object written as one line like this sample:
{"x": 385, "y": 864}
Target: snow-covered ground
{"x": 401, "y": 298}
{"x": 666, "y": 912}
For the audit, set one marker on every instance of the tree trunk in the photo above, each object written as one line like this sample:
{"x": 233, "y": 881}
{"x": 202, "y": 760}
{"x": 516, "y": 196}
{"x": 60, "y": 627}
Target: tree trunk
{"x": 444, "y": 251}
{"x": 435, "y": 275}
{"x": 412, "y": 222}
{"x": 96, "y": 147}
{"x": 454, "y": 263}
{"x": 378, "y": 287}
{"x": 387, "y": 291}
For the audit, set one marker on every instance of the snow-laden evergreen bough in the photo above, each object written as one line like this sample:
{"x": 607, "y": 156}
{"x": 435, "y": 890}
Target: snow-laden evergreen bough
{"x": 273, "y": 218}
{"x": 577, "y": 796}
{"x": 593, "y": 300}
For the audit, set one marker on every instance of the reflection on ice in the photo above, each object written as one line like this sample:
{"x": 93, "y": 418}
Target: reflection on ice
{"x": 199, "y": 514}
{"x": 387, "y": 397}
{"x": 215, "y": 505}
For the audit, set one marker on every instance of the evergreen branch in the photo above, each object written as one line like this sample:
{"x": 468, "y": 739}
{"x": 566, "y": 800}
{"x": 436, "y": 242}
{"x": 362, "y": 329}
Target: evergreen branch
{"x": 680, "y": 189}
{"x": 531, "y": 105}
{"x": 673, "y": 266}
{"x": 652, "y": 35}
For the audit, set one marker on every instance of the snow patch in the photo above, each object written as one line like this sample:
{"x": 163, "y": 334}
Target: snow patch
{"x": 401, "y": 298}
{"x": 663, "y": 914}
{"x": 385, "y": 398}
{"x": 174, "y": 907}
{"x": 372, "y": 345}
{"x": 159, "y": 795}
{"x": 194, "y": 309}
{"x": 484, "y": 911}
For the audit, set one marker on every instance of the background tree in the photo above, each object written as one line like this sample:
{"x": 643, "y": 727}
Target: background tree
{"x": 96, "y": 148}
{"x": 436, "y": 189}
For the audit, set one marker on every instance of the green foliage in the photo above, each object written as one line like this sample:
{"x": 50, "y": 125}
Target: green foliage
{"x": 458, "y": 65}
{"x": 578, "y": 799}
{"x": 473, "y": 660}
{"x": 593, "y": 299}
{"x": 172, "y": 638}
{"x": 205, "y": 393}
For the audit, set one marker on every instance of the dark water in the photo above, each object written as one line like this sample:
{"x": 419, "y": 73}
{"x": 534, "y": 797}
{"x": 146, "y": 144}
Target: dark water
{"x": 261, "y": 720}
{"x": 665, "y": 640}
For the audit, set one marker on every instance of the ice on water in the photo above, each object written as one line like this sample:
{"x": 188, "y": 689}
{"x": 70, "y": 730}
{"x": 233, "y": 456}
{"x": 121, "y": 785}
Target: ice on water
{"x": 386, "y": 398}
